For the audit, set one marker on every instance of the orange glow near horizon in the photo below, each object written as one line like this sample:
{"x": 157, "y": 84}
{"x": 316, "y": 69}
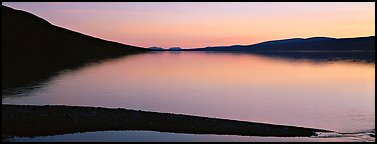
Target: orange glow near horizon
{"x": 190, "y": 25}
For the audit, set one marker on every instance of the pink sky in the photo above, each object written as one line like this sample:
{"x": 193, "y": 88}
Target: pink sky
{"x": 189, "y": 25}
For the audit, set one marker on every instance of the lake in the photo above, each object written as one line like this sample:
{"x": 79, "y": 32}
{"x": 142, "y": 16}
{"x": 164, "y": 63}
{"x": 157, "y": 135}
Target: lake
{"x": 335, "y": 95}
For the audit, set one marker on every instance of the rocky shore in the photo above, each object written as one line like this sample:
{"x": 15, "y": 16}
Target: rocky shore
{"x": 31, "y": 121}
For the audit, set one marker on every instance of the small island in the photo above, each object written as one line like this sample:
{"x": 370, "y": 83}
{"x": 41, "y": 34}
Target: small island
{"x": 175, "y": 49}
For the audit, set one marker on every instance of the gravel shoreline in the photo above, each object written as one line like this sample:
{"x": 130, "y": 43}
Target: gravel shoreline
{"x": 31, "y": 121}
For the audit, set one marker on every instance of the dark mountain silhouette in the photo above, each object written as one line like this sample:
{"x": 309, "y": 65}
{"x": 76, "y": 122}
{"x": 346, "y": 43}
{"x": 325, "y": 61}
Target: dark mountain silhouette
{"x": 26, "y": 33}
{"x": 300, "y": 44}
{"x": 33, "y": 49}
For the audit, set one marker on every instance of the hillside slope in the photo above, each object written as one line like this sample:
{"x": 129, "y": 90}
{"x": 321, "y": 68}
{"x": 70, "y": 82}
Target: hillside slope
{"x": 23, "y": 32}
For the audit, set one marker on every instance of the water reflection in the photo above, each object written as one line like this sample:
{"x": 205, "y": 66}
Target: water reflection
{"x": 324, "y": 56}
{"x": 25, "y": 72}
{"x": 336, "y": 95}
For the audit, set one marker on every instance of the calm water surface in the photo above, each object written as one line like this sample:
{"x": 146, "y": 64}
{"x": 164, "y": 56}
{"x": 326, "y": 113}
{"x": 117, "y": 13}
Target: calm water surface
{"x": 334, "y": 95}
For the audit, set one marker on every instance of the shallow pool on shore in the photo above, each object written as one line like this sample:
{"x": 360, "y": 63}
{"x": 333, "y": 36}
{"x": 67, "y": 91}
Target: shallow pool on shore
{"x": 151, "y": 136}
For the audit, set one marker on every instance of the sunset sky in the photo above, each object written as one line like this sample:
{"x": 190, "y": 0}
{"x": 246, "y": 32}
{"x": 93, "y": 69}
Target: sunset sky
{"x": 190, "y": 25}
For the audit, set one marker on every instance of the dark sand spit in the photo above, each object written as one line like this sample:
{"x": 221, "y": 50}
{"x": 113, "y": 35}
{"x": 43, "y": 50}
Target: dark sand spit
{"x": 31, "y": 121}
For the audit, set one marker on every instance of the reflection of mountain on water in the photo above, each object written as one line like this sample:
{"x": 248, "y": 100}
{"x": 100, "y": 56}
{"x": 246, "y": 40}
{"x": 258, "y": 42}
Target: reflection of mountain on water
{"x": 30, "y": 72}
{"x": 364, "y": 57}
{"x": 317, "y": 56}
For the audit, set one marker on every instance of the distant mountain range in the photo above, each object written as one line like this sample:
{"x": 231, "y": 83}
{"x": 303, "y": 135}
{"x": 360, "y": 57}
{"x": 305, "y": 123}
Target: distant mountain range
{"x": 300, "y": 44}
{"x": 314, "y": 44}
